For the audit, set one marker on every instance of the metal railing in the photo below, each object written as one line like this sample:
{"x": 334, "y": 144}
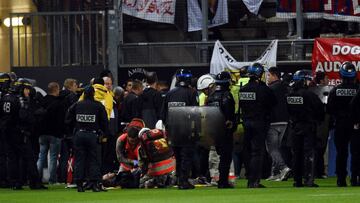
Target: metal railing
{"x": 58, "y": 39}
{"x": 171, "y": 54}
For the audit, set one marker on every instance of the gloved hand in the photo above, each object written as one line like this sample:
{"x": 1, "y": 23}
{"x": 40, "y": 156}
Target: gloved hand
{"x": 136, "y": 163}
{"x": 160, "y": 125}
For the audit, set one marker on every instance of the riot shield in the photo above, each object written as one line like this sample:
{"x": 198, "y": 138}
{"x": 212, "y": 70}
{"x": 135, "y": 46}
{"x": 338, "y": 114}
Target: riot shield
{"x": 193, "y": 124}
{"x": 322, "y": 91}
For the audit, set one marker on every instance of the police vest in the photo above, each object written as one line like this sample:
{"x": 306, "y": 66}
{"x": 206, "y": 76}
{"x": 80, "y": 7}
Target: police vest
{"x": 298, "y": 107}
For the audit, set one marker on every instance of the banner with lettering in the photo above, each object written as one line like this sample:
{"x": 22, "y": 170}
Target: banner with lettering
{"x": 344, "y": 10}
{"x": 330, "y": 53}
{"x": 218, "y": 14}
{"x": 222, "y": 60}
{"x": 162, "y": 11}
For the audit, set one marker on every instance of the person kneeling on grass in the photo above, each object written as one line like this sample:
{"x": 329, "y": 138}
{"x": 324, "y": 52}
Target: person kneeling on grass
{"x": 156, "y": 159}
{"x": 127, "y": 151}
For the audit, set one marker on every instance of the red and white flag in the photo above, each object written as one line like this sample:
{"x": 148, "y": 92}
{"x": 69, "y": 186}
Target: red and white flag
{"x": 162, "y": 11}
{"x": 344, "y": 10}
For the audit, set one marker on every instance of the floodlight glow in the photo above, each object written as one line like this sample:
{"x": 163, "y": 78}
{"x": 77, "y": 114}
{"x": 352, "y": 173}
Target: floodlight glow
{"x": 15, "y": 21}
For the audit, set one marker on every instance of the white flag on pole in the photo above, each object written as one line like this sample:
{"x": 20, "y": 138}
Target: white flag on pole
{"x": 253, "y": 5}
{"x": 221, "y": 59}
{"x": 218, "y": 14}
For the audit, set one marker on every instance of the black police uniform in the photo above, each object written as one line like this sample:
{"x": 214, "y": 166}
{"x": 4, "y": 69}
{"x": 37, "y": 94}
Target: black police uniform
{"x": 91, "y": 121}
{"x": 17, "y": 119}
{"x": 3, "y": 154}
{"x": 256, "y": 102}
{"x": 181, "y": 96}
{"x": 355, "y": 141}
{"x": 4, "y": 86}
{"x": 224, "y": 144}
{"x": 305, "y": 109}
{"x": 339, "y": 107}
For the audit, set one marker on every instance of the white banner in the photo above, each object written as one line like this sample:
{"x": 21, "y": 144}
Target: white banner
{"x": 162, "y": 11}
{"x": 253, "y": 5}
{"x": 218, "y": 14}
{"x": 221, "y": 59}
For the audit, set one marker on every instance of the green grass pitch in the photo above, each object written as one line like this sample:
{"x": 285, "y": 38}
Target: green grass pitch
{"x": 279, "y": 192}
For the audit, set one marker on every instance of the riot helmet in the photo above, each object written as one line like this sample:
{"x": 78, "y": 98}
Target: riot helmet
{"x": 302, "y": 75}
{"x": 223, "y": 80}
{"x": 20, "y": 84}
{"x": 347, "y": 70}
{"x": 183, "y": 77}
{"x": 5, "y": 82}
{"x": 300, "y": 78}
{"x": 243, "y": 71}
{"x": 256, "y": 70}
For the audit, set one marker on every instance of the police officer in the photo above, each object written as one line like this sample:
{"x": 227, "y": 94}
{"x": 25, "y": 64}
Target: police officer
{"x": 355, "y": 141}
{"x": 17, "y": 119}
{"x": 223, "y": 98}
{"x": 182, "y": 95}
{"x": 256, "y": 100}
{"x": 338, "y": 106}
{"x": 90, "y": 120}
{"x": 4, "y": 87}
{"x": 305, "y": 109}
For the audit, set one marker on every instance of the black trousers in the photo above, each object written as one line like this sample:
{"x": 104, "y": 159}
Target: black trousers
{"x": 355, "y": 154}
{"x": 343, "y": 134}
{"x": 224, "y": 147}
{"x": 87, "y": 157}
{"x": 3, "y": 159}
{"x": 303, "y": 148}
{"x": 184, "y": 157}
{"x": 20, "y": 151}
{"x": 254, "y": 143}
{"x": 66, "y": 151}
{"x": 109, "y": 160}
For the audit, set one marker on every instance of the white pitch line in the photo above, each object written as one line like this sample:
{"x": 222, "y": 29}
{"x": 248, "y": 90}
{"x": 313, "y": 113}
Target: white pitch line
{"x": 327, "y": 195}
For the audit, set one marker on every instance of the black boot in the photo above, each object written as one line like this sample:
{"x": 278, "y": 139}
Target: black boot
{"x": 341, "y": 182}
{"x": 17, "y": 187}
{"x": 298, "y": 184}
{"x": 38, "y": 186}
{"x": 354, "y": 181}
{"x": 225, "y": 185}
{"x": 80, "y": 187}
{"x": 97, "y": 187}
{"x": 185, "y": 185}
